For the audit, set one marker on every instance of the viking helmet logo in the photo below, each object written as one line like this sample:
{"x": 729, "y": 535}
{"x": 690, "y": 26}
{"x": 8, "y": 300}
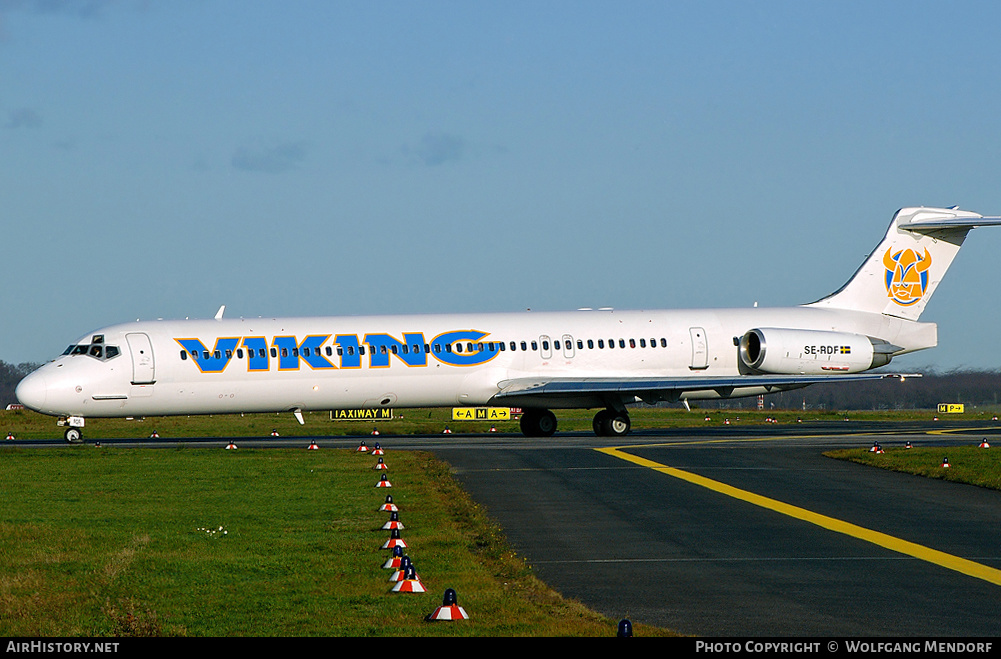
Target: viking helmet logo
{"x": 906, "y": 275}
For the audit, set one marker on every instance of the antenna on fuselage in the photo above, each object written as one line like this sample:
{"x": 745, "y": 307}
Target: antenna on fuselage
{"x": 218, "y": 314}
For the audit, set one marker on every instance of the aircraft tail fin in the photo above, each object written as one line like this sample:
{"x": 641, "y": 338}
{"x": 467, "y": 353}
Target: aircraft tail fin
{"x": 900, "y": 275}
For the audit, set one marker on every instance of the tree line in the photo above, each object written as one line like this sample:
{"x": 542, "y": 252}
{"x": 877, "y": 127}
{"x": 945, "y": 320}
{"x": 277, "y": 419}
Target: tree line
{"x": 972, "y": 388}
{"x": 10, "y": 375}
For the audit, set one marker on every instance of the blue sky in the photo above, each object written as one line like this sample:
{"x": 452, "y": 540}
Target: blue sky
{"x": 328, "y": 158}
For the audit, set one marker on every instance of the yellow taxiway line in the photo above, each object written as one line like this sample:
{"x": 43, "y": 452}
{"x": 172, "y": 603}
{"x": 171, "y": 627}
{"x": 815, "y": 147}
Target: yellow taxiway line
{"x": 892, "y": 543}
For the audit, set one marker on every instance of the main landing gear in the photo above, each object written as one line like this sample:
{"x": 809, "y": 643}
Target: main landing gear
{"x": 607, "y": 423}
{"x": 611, "y": 423}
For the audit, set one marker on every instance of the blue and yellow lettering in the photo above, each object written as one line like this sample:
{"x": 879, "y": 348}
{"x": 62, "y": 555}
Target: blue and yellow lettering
{"x": 349, "y": 350}
{"x": 459, "y": 358}
{"x": 383, "y": 346}
{"x": 454, "y": 348}
{"x": 214, "y": 361}
{"x": 257, "y": 353}
{"x": 290, "y": 352}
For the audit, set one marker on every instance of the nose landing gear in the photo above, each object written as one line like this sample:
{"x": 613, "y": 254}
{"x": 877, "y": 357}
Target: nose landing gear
{"x": 74, "y": 430}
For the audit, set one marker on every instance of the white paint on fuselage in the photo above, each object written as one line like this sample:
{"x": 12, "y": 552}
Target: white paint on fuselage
{"x": 81, "y": 385}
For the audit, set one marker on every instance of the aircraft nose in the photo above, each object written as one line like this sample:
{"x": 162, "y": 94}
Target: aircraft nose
{"x": 31, "y": 391}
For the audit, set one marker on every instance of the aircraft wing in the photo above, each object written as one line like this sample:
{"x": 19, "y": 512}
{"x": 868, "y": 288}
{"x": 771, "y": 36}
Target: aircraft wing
{"x": 669, "y": 388}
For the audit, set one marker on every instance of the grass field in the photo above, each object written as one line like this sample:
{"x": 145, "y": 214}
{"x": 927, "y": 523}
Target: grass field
{"x": 967, "y": 464}
{"x": 98, "y": 541}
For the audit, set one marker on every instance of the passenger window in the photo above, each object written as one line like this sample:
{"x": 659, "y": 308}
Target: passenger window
{"x": 632, "y": 343}
{"x": 184, "y": 355}
{"x": 535, "y": 346}
{"x": 590, "y": 344}
{"x": 524, "y": 346}
{"x": 663, "y": 343}
{"x": 642, "y": 343}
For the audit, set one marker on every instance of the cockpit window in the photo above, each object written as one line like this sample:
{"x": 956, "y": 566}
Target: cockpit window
{"x": 97, "y": 349}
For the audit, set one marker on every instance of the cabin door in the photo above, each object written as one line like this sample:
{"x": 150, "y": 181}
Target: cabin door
{"x": 142, "y": 358}
{"x": 700, "y": 350}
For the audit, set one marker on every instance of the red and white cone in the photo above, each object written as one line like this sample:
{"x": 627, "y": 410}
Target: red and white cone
{"x": 945, "y": 463}
{"x": 393, "y": 523}
{"x": 395, "y": 561}
{"x": 493, "y": 429}
{"x": 876, "y": 448}
{"x": 401, "y": 573}
{"x": 409, "y": 584}
{"x": 362, "y": 448}
{"x": 230, "y": 446}
{"x": 389, "y": 506}
{"x": 375, "y": 432}
{"x": 384, "y": 482}
{"x": 377, "y": 450}
{"x": 10, "y": 435}
{"x": 447, "y": 431}
{"x": 274, "y": 433}
{"x": 984, "y": 443}
{"x": 380, "y": 465}
{"x": 312, "y": 447}
{"x": 449, "y": 609}
{"x": 908, "y": 445}
{"x": 154, "y": 435}
{"x": 395, "y": 541}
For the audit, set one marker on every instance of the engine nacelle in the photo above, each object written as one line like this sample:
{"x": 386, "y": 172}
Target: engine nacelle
{"x": 811, "y": 352}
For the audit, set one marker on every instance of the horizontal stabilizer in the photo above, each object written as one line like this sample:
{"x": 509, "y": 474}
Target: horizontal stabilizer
{"x": 927, "y": 225}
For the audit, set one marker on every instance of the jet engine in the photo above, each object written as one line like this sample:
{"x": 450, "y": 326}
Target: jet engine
{"x": 811, "y": 352}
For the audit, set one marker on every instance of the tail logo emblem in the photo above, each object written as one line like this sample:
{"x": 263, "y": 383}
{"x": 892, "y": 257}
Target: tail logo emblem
{"x": 906, "y": 275}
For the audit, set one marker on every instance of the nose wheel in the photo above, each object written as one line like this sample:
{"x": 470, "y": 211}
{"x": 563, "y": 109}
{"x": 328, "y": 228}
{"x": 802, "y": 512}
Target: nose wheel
{"x": 73, "y": 435}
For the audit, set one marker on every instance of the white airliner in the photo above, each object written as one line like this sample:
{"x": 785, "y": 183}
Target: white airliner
{"x": 602, "y": 359}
